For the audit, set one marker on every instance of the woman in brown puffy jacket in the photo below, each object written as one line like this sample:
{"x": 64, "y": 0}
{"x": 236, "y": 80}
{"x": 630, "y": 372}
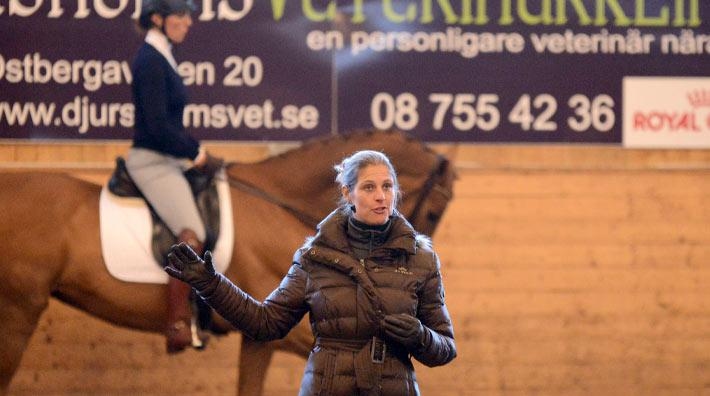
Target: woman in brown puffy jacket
{"x": 369, "y": 281}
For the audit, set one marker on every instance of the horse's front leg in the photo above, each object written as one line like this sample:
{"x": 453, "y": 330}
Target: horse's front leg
{"x": 19, "y": 313}
{"x": 254, "y": 358}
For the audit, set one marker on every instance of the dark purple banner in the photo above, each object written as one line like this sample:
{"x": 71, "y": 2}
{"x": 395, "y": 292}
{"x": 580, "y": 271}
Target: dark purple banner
{"x": 285, "y": 70}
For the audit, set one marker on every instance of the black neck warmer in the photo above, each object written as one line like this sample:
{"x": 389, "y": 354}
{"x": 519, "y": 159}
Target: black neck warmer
{"x": 363, "y": 238}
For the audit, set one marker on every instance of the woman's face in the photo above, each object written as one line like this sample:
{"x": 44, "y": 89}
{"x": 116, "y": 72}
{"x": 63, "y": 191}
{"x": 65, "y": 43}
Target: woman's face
{"x": 175, "y": 26}
{"x": 373, "y": 195}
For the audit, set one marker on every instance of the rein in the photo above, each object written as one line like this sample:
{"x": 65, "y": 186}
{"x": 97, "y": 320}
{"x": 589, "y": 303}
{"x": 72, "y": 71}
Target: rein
{"x": 249, "y": 188}
{"x": 427, "y": 187}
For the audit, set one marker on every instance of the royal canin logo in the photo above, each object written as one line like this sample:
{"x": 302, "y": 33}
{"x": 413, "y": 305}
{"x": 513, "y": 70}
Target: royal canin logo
{"x": 699, "y": 98}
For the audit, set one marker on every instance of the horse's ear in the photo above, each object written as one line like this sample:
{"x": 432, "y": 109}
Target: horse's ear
{"x": 345, "y": 191}
{"x": 452, "y": 153}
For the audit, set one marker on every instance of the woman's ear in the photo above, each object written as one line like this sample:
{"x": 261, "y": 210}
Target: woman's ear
{"x": 157, "y": 20}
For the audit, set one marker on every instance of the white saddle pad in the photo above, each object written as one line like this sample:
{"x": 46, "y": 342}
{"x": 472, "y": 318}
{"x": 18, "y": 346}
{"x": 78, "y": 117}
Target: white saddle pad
{"x": 126, "y": 236}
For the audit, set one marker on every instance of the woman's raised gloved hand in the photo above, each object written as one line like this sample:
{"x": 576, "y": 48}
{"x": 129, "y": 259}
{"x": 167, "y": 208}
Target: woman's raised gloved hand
{"x": 186, "y": 265}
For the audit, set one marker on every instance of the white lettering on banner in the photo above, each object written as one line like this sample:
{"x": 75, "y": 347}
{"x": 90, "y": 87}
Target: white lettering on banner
{"x": 600, "y": 43}
{"x": 317, "y": 40}
{"x": 468, "y": 112}
{"x": 251, "y": 116}
{"x": 85, "y": 7}
{"x": 688, "y": 43}
{"x": 91, "y": 74}
{"x": 467, "y": 44}
{"x": 17, "y": 8}
{"x": 80, "y": 113}
{"x": 94, "y": 74}
{"x": 247, "y": 71}
{"x": 83, "y": 114}
{"x": 200, "y": 73}
{"x": 472, "y": 44}
{"x": 666, "y": 112}
{"x": 101, "y": 8}
{"x": 224, "y": 11}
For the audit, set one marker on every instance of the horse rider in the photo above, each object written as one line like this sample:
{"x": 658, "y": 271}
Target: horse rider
{"x": 162, "y": 149}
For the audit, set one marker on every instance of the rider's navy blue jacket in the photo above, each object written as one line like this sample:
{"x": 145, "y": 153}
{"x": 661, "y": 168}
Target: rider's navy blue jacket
{"x": 160, "y": 97}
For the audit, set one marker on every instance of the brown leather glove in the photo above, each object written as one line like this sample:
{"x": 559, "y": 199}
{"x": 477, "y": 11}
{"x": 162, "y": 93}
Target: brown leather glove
{"x": 211, "y": 165}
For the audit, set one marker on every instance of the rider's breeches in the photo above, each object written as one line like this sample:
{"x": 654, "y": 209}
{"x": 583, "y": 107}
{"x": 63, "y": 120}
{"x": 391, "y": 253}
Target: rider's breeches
{"x": 160, "y": 178}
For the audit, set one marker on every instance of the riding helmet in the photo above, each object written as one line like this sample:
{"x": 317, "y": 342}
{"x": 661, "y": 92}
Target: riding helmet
{"x": 163, "y": 8}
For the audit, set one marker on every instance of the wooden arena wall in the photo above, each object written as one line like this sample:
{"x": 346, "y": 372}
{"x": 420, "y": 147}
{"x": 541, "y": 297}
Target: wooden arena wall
{"x": 569, "y": 270}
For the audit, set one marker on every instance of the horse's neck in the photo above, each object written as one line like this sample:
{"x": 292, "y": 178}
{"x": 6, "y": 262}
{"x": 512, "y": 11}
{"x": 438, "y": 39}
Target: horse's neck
{"x": 303, "y": 179}
{"x": 298, "y": 185}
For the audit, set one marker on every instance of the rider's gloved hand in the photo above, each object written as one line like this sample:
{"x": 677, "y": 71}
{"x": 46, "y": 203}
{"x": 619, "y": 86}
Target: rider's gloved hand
{"x": 186, "y": 265}
{"x": 404, "y": 329}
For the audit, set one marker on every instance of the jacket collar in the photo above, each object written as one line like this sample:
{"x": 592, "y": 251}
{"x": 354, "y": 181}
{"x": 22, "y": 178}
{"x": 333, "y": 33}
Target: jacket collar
{"x": 332, "y": 232}
{"x": 365, "y": 237}
{"x": 160, "y": 42}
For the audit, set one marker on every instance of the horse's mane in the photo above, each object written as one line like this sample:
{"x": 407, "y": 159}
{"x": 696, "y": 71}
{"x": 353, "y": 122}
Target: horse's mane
{"x": 338, "y": 146}
{"x": 304, "y": 179}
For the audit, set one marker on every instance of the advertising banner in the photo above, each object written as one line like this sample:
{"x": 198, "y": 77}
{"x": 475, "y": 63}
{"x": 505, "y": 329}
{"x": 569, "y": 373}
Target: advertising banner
{"x": 666, "y": 112}
{"x": 521, "y": 71}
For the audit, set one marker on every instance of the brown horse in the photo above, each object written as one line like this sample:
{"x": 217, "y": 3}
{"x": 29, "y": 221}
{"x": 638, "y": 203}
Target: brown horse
{"x": 49, "y": 226}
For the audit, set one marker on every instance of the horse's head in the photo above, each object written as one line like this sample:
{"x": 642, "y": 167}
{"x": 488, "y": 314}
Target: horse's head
{"x": 431, "y": 198}
{"x": 302, "y": 180}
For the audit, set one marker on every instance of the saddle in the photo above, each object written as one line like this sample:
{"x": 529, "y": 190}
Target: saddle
{"x": 204, "y": 192}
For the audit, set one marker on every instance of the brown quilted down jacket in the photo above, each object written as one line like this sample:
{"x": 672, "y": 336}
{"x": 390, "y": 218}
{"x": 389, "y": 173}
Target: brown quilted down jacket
{"x": 347, "y": 299}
